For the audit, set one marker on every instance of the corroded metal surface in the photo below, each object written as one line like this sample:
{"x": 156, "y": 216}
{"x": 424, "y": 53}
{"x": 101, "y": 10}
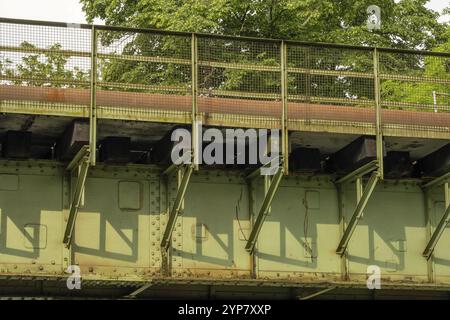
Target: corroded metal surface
{"x": 117, "y": 235}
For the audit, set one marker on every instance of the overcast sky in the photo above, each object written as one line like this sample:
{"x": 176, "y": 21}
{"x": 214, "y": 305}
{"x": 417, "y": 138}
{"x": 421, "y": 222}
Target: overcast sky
{"x": 70, "y": 10}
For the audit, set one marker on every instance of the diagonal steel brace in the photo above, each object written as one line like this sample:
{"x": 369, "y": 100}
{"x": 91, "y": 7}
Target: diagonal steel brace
{"x": 176, "y": 207}
{"x": 82, "y": 161}
{"x": 427, "y": 253}
{"x": 362, "y": 201}
{"x": 265, "y": 207}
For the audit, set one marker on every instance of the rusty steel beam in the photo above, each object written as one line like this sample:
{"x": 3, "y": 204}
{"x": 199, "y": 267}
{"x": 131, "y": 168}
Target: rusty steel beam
{"x": 225, "y": 105}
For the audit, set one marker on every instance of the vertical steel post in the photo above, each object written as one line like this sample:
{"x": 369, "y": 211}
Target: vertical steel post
{"x": 194, "y": 92}
{"x": 66, "y": 250}
{"x": 284, "y": 113}
{"x": 435, "y": 101}
{"x": 308, "y": 74}
{"x": 251, "y": 218}
{"x": 378, "y": 124}
{"x": 429, "y": 231}
{"x": 267, "y": 181}
{"x": 447, "y": 194}
{"x": 93, "y": 103}
{"x": 359, "y": 190}
{"x": 343, "y": 227}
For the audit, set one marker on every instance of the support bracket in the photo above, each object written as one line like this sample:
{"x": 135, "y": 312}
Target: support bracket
{"x": 270, "y": 190}
{"x": 81, "y": 161}
{"x": 362, "y": 198}
{"x": 176, "y": 207}
{"x": 443, "y": 180}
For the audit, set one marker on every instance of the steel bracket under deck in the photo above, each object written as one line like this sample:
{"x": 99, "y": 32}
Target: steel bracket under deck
{"x": 184, "y": 174}
{"x": 362, "y": 195}
{"x": 434, "y": 239}
{"x": 82, "y": 162}
{"x": 271, "y": 187}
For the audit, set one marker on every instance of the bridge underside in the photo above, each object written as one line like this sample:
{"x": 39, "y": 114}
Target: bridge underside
{"x": 86, "y": 178}
{"x": 120, "y": 224}
{"x": 126, "y": 203}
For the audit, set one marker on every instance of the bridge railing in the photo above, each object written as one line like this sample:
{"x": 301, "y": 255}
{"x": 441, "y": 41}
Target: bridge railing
{"x": 49, "y": 66}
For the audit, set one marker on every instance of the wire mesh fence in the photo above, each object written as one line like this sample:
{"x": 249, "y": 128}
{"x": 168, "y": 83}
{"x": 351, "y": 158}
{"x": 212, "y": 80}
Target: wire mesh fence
{"x": 44, "y": 66}
{"x": 143, "y": 71}
{"x": 239, "y": 77}
{"x": 331, "y": 85}
{"x": 415, "y": 90}
{"x": 49, "y": 66}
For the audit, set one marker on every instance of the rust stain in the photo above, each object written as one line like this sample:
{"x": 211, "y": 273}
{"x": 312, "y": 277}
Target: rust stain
{"x": 232, "y": 106}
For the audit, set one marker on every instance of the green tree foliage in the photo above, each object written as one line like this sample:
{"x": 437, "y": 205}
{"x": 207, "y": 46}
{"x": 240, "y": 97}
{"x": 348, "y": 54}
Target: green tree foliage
{"x": 48, "y": 69}
{"x": 419, "y": 66}
{"x": 406, "y": 24}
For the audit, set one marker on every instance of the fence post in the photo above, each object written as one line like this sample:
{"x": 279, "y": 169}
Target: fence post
{"x": 194, "y": 84}
{"x": 378, "y": 123}
{"x": 93, "y": 106}
{"x": 284, "y": 113}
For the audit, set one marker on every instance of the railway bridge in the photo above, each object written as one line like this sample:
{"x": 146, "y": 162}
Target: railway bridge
{"x": 86, "y": 181}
